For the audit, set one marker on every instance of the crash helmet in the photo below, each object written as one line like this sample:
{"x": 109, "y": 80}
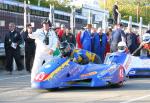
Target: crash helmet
{"x": 122, "y": 46}
{"x": 72, "y": 46}
{"x": 146, "y": 37}
{"x": 65, "y": 48}
{"x": 47, "y": 21}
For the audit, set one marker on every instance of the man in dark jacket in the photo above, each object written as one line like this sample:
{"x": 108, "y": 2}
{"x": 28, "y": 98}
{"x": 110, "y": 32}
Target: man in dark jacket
{"x": 117, "y": 36}
{"x": 12, "y": 49}
{"x": 29, "y": 48}
{"x": 132, "y": 40}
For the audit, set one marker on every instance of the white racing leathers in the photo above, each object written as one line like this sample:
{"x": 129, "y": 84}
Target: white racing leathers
{"x": 42, "y": 49}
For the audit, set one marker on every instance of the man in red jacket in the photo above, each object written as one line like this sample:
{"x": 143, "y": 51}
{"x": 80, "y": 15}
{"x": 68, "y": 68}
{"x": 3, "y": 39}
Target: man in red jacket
{"x": 61, "y": 31}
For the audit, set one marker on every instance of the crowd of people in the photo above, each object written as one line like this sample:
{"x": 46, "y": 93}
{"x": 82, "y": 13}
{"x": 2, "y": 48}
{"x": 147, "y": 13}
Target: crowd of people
{"x": 44, "y": 43}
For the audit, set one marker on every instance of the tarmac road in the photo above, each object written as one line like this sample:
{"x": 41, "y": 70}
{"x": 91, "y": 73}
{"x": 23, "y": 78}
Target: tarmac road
{"x": 16, "y": 89}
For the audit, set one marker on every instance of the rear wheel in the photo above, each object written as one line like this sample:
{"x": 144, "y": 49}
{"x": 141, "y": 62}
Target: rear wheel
{"x": 52, "y": 89}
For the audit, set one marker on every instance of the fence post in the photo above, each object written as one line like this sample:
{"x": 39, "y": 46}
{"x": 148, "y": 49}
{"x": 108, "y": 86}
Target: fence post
{"x": 140, "y": 26}
{"x": 130, "y": 22}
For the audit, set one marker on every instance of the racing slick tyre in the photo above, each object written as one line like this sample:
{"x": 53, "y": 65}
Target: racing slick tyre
{"x": 52, "y": 89}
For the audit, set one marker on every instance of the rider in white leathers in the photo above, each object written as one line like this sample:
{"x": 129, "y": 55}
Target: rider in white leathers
{"x": 46, "y": 43}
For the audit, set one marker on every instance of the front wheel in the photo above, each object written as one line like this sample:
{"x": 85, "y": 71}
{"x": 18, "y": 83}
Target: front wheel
{"x": 117, "y": 85}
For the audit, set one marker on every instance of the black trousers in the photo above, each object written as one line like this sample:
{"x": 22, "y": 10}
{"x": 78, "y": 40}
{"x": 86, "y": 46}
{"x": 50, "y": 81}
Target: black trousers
{"x": 10, "y": 54}
{"x": 115, "y": 18}
{"x": 29, "y": 58}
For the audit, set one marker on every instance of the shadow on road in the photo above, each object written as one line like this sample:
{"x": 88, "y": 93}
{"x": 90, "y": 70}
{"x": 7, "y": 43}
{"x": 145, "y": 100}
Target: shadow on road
{"x": 131, "y": 85}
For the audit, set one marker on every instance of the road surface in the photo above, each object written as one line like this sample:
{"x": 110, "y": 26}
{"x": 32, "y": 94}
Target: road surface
{"x": 15, "y": 88}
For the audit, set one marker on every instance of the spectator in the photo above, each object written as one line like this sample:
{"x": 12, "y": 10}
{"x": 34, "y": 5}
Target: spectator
{"x": 69, "y": 37}
{"x": 86, "y": 38}
{"x": 29, "y": 48}
{"x": 57, "y": 51}
{"x": 109, "y": 33}
{"x": 61, "y": 31}
{"x": 132, "y": 40}
{"x": 78, "y": 38}
{"x": 115, "y": 12}
{"x": 94, "y": 44}
{"x": 117, "y": 36}
{"x": 102, "y": 44}
{"x": 144, "y": 47}
{"x": 12, "y": 49}
{"x": 46, "y": 44}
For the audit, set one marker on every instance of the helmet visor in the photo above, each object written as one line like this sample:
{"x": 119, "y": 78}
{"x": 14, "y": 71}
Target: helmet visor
{"x": 63, "y": 51}
{"x": 121, "y": 47}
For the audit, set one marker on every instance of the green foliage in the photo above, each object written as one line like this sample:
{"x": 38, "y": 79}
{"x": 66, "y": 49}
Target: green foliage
{"x": 129, "y": 8}
{"x": 45, "y": 3}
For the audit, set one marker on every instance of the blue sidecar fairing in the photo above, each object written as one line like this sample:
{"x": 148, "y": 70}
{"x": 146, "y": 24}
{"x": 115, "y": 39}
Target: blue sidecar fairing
{"x": 134, "y": 65}
{"x": 61, "y": 72}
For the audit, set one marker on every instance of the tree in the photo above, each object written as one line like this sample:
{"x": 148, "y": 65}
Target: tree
{"x": 45, "y": 3}
{"x": 129, "y": 8}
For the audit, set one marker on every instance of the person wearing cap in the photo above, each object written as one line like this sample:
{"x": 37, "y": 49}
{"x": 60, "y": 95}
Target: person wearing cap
{"x": 86, "y": 38}
{"x": 46, "y": 43}
{"x": 29, "y": 48}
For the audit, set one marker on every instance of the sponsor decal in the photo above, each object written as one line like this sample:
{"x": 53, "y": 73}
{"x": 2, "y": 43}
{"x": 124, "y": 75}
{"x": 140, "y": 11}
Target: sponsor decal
{"x": 107, "y": 78}
{"x": 51, "y": 75}
{"x": 74, "y": 71}
{"x": 48, "y": 66}
{"x": 40, "y": 77}
{"x": 110, "y": 70}
{"x": 121, "y": 73}
{"x": 132, "y": 72}
{"x": 88, "y": 74}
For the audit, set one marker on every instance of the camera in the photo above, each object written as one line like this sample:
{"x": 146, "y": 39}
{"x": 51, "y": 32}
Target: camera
{"x": 46, "y": 40}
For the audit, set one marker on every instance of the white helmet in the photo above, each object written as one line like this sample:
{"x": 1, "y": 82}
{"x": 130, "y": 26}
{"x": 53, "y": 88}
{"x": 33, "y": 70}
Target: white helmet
{"x": 146, "y": 38}
{"x": 122, "y": 46}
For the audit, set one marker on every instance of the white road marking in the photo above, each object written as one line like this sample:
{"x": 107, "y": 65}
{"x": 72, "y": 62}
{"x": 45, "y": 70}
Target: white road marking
{"x": 14, "y": 77}
{"x": 135, "y": 99}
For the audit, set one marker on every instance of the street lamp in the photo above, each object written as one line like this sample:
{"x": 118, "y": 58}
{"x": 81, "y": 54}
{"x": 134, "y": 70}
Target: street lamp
{"x": 73, "y": 5}
{"x": 25, "y": 14}
{"x": 51, "y": 14}
{"x": 72, "y": 19}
